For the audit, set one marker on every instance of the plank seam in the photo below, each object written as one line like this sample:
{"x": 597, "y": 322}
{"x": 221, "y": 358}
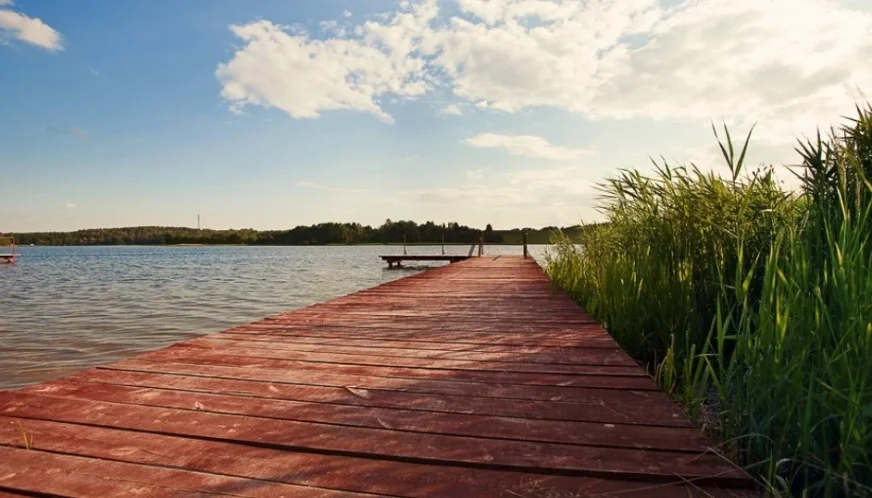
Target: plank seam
{"x": 173, "y": 467}
{"x": 421, "y": 379}
{"x": 410, "y": 431}
{"x": 386, "y": 407}
{"x": 715, "y": 480}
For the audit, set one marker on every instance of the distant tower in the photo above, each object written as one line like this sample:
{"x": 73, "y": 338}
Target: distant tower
{"x": 198, "y": 221}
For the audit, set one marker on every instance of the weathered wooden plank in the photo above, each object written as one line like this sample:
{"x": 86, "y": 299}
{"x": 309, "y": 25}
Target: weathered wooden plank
{"x": 457, "y": 294}
{"x": 618, "y": 463}
{"x": 614, "y": 364}
{"x": 328, "y": 341}
{"x": 612, "y": 434}
{"x": 601, "y": 406}
{"x": 418, "y": 335}
{"x": 543, "y": 312}
{"x": 451, "y": 302}
{"x": 447, "y": 386}
{"x": 393, "y": 324}
{"x": 387, "y": 477}
{"x": 393, "y": 320}
{"x": 70, "y": 475}
{"x": 635, "y": 382}
{"x": 399, "y": 325}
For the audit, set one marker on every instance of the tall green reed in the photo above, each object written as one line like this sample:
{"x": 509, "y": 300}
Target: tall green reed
{"x": 752, "y": 306}
{"x": 651, "y": 273}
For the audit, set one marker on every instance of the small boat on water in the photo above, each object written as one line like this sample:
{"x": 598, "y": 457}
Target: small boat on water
{"x": 7, "y": 257}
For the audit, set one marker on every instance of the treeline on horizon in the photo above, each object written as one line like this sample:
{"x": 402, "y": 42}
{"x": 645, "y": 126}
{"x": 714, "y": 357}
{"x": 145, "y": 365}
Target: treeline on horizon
{"x": 391, "y": 232}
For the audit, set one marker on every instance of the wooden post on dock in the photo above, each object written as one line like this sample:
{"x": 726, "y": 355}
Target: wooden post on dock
{"x": 525, "y": 245}
{"x": 443, "y": 244}
{"x": 404, "y": 244}
{"x": 480, "y": 244}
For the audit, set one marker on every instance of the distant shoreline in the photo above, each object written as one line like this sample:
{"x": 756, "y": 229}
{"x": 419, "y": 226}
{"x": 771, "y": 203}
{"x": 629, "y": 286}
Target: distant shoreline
{"x": 322, "y": 234}
{"x": 362, "y": 244}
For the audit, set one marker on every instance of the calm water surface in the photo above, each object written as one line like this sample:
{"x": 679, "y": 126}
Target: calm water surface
{"x": 66, "y": 308}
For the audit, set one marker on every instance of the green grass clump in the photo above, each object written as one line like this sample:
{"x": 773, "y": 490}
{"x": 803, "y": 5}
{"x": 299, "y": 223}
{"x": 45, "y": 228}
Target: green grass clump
{"x": 753, "y": 306}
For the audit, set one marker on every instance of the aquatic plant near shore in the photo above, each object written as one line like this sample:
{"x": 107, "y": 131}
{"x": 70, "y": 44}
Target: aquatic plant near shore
{"x": 752, "y": 306}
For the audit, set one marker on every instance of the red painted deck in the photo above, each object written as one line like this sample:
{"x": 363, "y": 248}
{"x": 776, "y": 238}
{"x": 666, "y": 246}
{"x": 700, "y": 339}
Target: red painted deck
{"x": 473, "y": 379}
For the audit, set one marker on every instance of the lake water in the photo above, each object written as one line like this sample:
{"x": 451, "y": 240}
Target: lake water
{"x": 66, "y": 308}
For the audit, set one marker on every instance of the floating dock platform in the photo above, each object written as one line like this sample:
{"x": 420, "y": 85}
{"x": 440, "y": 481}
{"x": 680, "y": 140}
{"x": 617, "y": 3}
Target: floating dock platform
{"x": 398, "y": 259}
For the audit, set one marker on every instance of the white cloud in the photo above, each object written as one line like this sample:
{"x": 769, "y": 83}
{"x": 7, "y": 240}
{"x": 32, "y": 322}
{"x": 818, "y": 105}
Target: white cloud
{"x": 526, "y": 145}
{"x": 523, "y": 53}
{"x": 27, "y": 29}
{"x": 304, "y": 76}
{"x": 789, "y": 64}
{"x": 71, "y": 205}
{"x": 476, "y": 174}
{"x": 452, "y": 110}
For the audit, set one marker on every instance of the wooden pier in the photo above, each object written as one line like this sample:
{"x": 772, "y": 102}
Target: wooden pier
{"x": 398, "y": 259}
{"x": 473, "y": 379}
{"x": 10, "y": 256}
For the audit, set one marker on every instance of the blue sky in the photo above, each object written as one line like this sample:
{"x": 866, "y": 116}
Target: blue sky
{"x": 270, "y": 114}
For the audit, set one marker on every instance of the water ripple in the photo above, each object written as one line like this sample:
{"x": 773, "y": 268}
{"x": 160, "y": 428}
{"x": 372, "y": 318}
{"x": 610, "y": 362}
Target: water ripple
{"x": 66, "y": 308}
